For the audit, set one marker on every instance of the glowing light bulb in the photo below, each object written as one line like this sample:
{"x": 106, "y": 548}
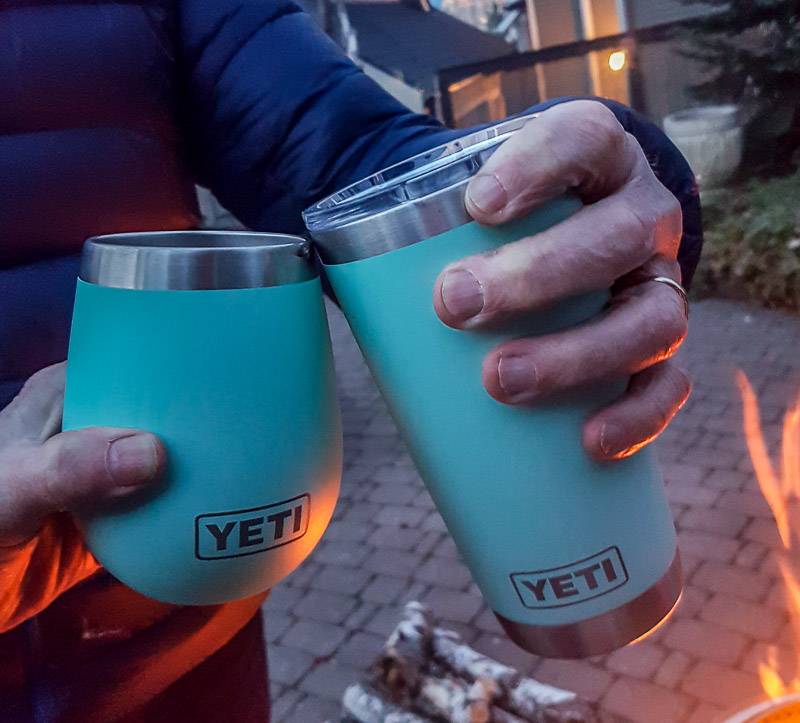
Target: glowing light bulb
{"x": 617, "y": 60}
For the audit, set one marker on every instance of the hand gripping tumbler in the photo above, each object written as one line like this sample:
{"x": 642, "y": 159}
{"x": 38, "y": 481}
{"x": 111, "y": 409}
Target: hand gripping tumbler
{"x": 575, "y": 558}
{"x": 218, "y": 343}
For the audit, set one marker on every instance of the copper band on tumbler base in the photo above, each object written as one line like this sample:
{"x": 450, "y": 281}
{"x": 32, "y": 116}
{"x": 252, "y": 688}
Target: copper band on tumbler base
{"x": 602, "y": 633}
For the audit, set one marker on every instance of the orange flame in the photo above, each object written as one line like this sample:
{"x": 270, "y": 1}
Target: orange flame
{"x": 782, "y": 493}
{"x": 771, "y": 681}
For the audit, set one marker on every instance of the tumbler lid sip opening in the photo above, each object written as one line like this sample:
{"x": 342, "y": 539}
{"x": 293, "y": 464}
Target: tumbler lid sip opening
{"x": 407, "y": 202}
{"x": 195, "y": 260}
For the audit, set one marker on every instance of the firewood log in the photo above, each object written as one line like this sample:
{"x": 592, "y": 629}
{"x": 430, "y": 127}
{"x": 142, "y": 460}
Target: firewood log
{"x": 435, "y": 676}
{"x": 366, "y": 705}
{"x": 465, "y": 661}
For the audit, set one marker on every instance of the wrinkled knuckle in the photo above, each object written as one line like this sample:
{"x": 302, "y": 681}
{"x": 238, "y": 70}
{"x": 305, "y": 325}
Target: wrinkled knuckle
{"x": 30, "y": 385}
{"x": 670, "y": 214}
{"x": 640, "y": 222}
{"x": 662, "y": 210}
{"x": 49, "y": 377}
{"x": 504, "y": 276}
{"x": 550, "y": 161}
{"x": 633, "y": 147}
{"x": 57, "y": 475}
{"x": 547, "y": 133}
{"x": 672, "y": 208}
{"x": 496, "y": 302}
{"x": 599, "y": 128}
{"x": 635, "y": 158}
{"x": 603, "y": 118}
{"x": 673, "y": 220}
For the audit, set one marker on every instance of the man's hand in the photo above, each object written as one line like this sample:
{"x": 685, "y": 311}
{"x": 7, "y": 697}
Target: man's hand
{"x": 628, "y": 232}
{"x": 43, "y": 472}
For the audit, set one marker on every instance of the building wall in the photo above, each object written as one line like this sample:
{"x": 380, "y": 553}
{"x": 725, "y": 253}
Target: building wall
{"x": 566, "y": 77}
{"x": 473, "y": 12}
{"x": 667, "y": 74}
{"x": 406, "y": 94}
{"x": 520, "y": 89}
{"x": 644, "y": 13}
{"x": 562, "y": 21}
{"x": 556, "y": 20}
{"x": 667, "y": 77}
{"x": 601, "y": 18}
{"x": 478, "y": 99}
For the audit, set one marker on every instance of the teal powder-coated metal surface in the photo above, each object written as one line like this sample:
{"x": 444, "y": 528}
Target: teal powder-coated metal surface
{"x": 513, "y": 484}
{"x": 239, "y": 385}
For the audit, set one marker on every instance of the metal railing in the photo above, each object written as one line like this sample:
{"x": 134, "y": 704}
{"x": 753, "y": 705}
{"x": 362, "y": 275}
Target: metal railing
{"x": 451, "y": 80}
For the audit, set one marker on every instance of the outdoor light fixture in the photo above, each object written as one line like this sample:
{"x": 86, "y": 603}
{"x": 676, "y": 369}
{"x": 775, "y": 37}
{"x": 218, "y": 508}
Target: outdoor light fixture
{"x": 617, "y": 60}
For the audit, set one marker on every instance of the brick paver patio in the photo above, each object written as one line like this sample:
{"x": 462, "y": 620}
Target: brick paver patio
{"x": 387, "y": 545}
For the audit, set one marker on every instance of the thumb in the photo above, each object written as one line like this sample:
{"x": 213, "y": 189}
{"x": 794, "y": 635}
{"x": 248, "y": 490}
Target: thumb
{"x": 579, "y": 145}
{"x": 76, "y": 468}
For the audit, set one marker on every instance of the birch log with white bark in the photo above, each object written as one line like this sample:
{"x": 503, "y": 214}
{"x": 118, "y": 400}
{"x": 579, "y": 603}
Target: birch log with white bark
{"x": 433, "y": 674}
{"x": 367, "y": 705}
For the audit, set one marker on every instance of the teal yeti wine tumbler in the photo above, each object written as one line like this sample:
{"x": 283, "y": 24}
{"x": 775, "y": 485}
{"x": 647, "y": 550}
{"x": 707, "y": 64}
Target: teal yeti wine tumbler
{"x": 218, "y": 343}
{"x": 574, "y": 557}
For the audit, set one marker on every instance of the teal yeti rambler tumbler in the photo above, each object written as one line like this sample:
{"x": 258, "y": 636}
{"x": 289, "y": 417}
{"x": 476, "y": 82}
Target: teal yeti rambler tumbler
{"x": 574, "y": 557}
{"x": 218, "y": 343}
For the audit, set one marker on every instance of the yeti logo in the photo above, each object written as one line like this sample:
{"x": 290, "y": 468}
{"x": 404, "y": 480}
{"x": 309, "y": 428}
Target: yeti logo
{"x": 246, "y": 532}
{"x": 574, "y": 583}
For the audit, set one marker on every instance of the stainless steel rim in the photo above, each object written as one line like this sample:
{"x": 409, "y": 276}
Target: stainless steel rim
{"x": 426, "y": 199}
{"x": 606, "y": 632}
{"x": 194, "y": 260}
{"x": 395, "y": 228}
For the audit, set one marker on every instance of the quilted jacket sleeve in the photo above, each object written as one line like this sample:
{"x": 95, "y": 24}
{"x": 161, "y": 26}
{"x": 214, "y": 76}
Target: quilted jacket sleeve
{"x": 278, "y": 115}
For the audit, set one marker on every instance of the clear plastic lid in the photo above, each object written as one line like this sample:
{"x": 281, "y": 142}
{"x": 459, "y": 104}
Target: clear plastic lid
{"x": 410, "y": 180}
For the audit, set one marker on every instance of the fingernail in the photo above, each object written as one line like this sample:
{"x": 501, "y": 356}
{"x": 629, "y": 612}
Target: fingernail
{"x": 133, "y": 460}
{"x": 462, "y": 294}
{"x": 516, "y": 375}
{"x": 486, "y": 193}
{"x": 612, "y": 440}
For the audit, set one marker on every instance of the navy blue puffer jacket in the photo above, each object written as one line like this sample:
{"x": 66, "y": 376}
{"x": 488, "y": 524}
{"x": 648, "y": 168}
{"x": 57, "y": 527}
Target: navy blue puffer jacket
{"x": 109, "y": 113}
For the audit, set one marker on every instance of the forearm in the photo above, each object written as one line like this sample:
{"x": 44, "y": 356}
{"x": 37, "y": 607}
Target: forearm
{"x": 277, "y": 116}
